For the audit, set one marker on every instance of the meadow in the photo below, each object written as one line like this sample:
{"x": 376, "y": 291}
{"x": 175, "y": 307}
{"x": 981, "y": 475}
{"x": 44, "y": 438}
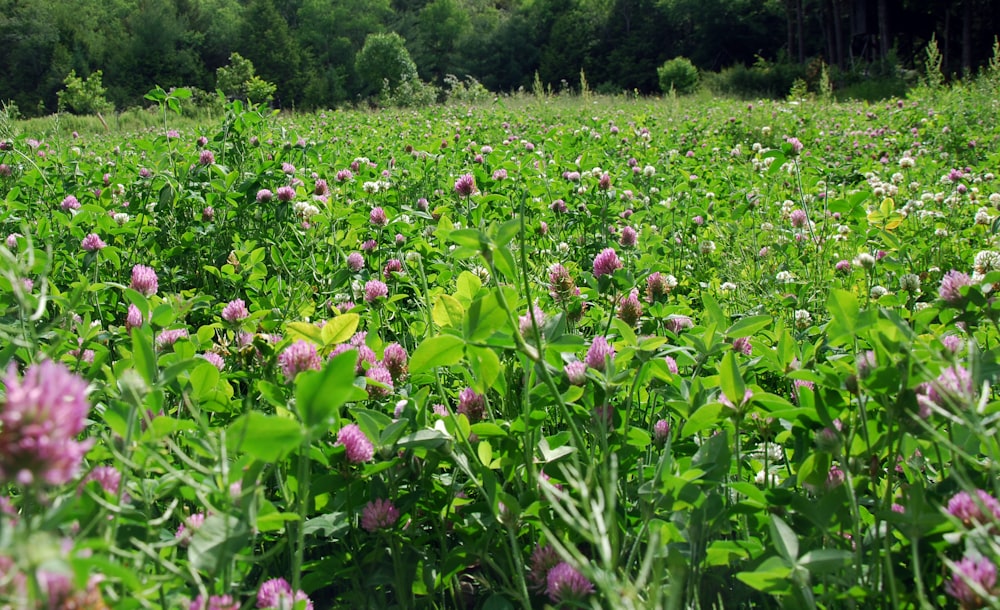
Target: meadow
{"x": 541, "y": 351}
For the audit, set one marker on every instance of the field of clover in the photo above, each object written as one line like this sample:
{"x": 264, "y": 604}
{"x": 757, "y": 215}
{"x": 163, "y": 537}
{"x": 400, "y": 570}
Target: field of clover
{"x": 544, "y": 352}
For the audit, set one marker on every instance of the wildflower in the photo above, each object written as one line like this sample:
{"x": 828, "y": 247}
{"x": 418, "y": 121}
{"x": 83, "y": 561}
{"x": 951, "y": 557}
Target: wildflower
{"x": 358, "y": 448}
{"x": 803, "y": 319}
{"x": 206, "y": 157}
{"x": 465, "y": 185}
{"x": 561, "y": 285}
{"x": 215, "y": 359}
{"x": 169, "y": 337}
{"x": 297, "y": 357}
{"x": 797, "y": 386}
{"x": 472, "y": 404}
{"x": 742, "y": 345}
{"x": 12, "y": 240}
{"x": 107, "y": 477}
{"x": 865, "y": 261}
{"x": 970, "y": 510}
{"x": 599, "y": 354}
{"x": 207, "y": 214}
{"x": 369, "y": 245}
{"x": 671, "y": 364}
{"x": 565, "y": 583}
{"x": 795, "y": 144}
{"x": 629, "y": 237}
{"x": 377, "y": 217}
{"x": 629, "y": 310}
{"x": 215, "y": 602}
{"x": 285, "y": 193}
{"x": 605, "y": 182}
{"x": 235, "y": 310}
{"x": 375, "y": 290}
{"x": 798, "y": 218}
{"x": 954, "y": 386}
{"x": 92, "y": 243}
{"x": 40, "y": 419}
{"x": 658, "y": 286}
{"x": 70, "y": 203}
{"x": 277, "y": 594}
{"x": 576, "y": 372}
{"x": 355, "y": 261}
{"x": 144, "y": 280}
{"x": 951, "y": 284}
{"x": 953, "y": 343}
{"x": 986, "y": 261}
{"x": 676, "y": 324}
{"x": 970, "y": 579}
{"x": 543, "y": 559}
{"x": 264, "y": 196}
{"x": 287, "y": 168}
{"x": 500, "y": 174}
{"x": 379, "y": 515}
{"x": 393, "y": 265}
{"x": 134, "y": 318}
{"x": 606, "y": 263}
{"x": 910, "y": 282}
{"x": 661, "y": 431}
{"x": 525, "y": 321}
{"x": 379, "y": 374}
{"x": 395, "y": 359}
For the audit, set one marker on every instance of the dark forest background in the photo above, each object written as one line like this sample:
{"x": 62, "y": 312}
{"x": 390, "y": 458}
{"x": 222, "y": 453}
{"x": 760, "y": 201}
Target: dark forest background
{"x": 307, "y": 48}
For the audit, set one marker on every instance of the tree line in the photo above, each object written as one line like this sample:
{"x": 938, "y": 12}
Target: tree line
{"x": 307, "y": 48}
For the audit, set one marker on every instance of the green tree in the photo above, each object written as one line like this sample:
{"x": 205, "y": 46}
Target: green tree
{"x": 442, "y": 24}
{"x": 384, "y": 59}
{"x": 268, "y": 42}
{"x": 84, "y": 96}
{"x": 238, "y": 81}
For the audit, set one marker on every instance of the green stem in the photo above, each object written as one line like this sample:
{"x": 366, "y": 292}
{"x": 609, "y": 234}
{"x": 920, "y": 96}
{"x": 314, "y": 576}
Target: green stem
{"x": 302, "y": 501}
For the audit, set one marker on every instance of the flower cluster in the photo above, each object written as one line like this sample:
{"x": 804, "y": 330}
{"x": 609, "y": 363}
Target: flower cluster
{"x": 40, "y": 420}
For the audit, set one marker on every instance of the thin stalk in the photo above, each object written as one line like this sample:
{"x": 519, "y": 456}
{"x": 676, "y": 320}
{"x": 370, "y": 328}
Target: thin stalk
{"x": 302, "y": 501}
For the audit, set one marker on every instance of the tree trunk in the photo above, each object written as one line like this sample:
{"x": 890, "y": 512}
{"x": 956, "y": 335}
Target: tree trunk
{"x": 883, "y": 28}
{"x": 800, "y": 18}
{"x": 790, "y": 23}
{"x": 967, "y": 37}
{"x": 838, "y": 35}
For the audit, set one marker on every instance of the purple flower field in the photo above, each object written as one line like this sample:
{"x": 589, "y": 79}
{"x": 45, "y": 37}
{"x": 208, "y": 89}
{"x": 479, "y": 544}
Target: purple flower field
{"x": 545, "y": 352}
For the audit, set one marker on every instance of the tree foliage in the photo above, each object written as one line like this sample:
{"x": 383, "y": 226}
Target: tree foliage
{"x": 309, "y": 49}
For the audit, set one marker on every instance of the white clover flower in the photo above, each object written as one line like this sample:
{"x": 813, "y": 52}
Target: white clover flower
{"x": 986, "y": 261}
{"x": 803, "y": 319}
{"x": 649, "y": 171}
{"x": 727, "y": 287}
{"x": 120, "y": 218}
{"x": 878, "y": 292}
{"x": 864, "y": 260}
{"x": 983, "y": 216}
{"x": 785, "y": 277}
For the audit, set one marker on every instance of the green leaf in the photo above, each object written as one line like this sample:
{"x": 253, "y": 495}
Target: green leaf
{"x": 826, "y": 560}
{"x": 318, "y": 394}
{"x": 485, "y": 365}
{"x": 305, "y": 330}
{"x": 470, "y": 238}
{"x": 219, "y": 538}
{"x": 705, "y": 417}
{"x": 428, "y": 438}
{"x": 448, "y": 311}
{"x": 267, "y": 438}
{"x": 484, "y": 317}
{"x": 371, "y": 422}
{"x": 443, "y": 350}
{"x": 785, "y": 540}
{"x": 843, "y": 307}
{"x": 772, "y": 576}
{"x": 731, "y": 379}
{"x": 339, "y": 329}
{"x": 143, "y": 355}
{"x": 748, "y": 326}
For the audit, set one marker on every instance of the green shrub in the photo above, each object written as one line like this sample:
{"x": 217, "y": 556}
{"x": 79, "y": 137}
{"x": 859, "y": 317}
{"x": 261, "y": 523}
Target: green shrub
{"x": 679, "y": 75}
{"x": 411, "y": 92}
{"x": 238, "y": 81}
{"x": 84, "y": 96}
